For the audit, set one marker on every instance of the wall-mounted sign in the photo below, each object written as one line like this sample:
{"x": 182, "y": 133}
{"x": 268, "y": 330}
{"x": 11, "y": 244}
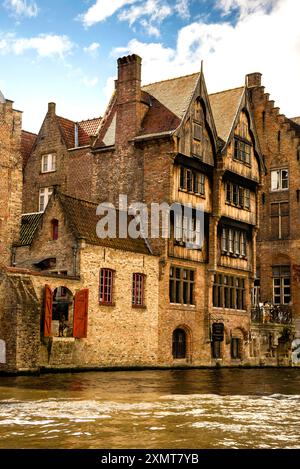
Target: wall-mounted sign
{"x": 218, "y": 331}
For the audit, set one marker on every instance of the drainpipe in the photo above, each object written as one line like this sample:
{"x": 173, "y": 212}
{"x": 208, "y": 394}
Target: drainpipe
{"x": 75, "y": 250}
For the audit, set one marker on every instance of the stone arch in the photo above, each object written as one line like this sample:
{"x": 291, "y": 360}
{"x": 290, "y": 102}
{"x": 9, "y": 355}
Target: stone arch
{"x": 281, "y": 259}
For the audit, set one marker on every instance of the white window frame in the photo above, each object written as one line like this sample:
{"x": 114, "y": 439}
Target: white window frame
{"x": 276, "y": 180}
{"x": 50, "y": 165}
{"x": 44, "y": 197}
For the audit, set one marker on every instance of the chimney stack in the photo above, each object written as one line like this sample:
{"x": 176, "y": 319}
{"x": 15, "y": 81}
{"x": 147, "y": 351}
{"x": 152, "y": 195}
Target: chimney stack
{"x": 128, "y": 98}
{"x": 52, "y": 108}
{"x": 253, "y": 80}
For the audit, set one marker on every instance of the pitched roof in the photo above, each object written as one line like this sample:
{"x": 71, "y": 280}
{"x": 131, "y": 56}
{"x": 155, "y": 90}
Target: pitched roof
{"x": 29, "y": 225}
{"x": 91, "y": 126}
{"x": 68, "y": 130}
{"x": 28, "y": 140}
{"x": 296, "y": 119}
{"x": 225, "y": 105}
{"x": 83, "y": 220}
{"x": 174, "y": 94}
{"x": 295, "y": 124}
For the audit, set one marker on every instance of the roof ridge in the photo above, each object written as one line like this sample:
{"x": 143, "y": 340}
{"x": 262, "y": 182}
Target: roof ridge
{"x": 225, "y": 91}
{"x": 66, "y": 119}
{"x": 76, "y": 198}
{"x": 31, "y": 133}
{"x": 91, "y": 119}
{"x": 170, "y": 79}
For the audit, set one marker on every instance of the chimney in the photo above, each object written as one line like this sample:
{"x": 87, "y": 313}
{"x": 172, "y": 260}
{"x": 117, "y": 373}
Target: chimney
{"x": 128, "y": 98}
{"x": 51, "y": 109}
{"x": 253, "y": 80}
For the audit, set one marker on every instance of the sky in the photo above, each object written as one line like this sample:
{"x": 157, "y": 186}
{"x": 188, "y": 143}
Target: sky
{"x": 66, "y": 50}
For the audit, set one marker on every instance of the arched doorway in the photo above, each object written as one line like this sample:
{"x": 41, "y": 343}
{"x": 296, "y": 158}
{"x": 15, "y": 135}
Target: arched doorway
{"x": 179, "y": 344}
{"x": 62, "y": 312}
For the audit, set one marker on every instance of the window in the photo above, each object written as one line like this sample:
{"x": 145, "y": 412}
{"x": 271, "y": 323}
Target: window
{"x": 197, "y": 131}
{"x": 279, "y": 180}
{"x": 48, "y": 163}
{"x": 192, "y": 181}
{"x": 44, "y": 196}
{"x": 242, "y": 151}
{"x": 179, "y": 344}
{"x": 236, "y": 345}
{"x": 233, "y": 242}
{"x": 256, "y": 293}
{"x": 281, "y": 285}
{"x": 182, "y": 283}
{"x": 188, "y": 230}
{"x": 237, "y": 195}
{"x": 54, "y": 230}
{"x": 228, "y": 292}
{"x": 138, "y": 287}
{"x": 280, "y": 220}
{"x": 106, "y": 286}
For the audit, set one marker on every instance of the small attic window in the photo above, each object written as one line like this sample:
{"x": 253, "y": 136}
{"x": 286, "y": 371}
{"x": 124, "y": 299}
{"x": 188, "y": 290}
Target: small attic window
{"x": 54, "y": 229}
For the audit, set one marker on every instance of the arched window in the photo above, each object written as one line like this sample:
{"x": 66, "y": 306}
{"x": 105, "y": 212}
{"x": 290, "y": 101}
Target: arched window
{"x": 179, "y": 343}
{"x": 54, "y": 229}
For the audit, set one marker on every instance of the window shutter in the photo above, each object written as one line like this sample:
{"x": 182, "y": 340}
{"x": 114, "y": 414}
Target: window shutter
{"x": 81, "y": 314}
{"x": 48, "y": 311}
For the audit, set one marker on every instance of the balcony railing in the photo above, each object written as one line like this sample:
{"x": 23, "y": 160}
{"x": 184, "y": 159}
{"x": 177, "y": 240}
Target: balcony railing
{"x": 271, "y": 314}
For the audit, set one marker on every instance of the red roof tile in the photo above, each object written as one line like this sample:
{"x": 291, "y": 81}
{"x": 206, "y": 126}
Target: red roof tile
{"x": 28, "y": 140}
{"x": 68, "y": 131}
{"x": 91, "y": 126}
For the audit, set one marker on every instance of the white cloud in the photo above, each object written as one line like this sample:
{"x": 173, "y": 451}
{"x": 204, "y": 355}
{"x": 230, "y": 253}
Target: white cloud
{"x": 148, "y": 13}
{"x": 103, "y": 9}
{"x": 22, "y": 7}
{"x": 90, "y": 82}
{"x": 263, "y": 40}
{"x": 182, "y": 8}
{"x": 246, "y": 7}
{"x": 45, "y": 45}
{"x": 92, "y": 49}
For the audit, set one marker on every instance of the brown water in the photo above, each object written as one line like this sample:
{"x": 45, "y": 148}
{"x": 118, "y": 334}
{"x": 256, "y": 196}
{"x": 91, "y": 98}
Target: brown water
{"x": 152, "y": 409}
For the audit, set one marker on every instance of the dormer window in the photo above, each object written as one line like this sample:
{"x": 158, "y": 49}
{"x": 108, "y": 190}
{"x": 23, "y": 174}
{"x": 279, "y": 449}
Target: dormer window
{"x": 54, "y": 229}
{"x": 48, "y": 163}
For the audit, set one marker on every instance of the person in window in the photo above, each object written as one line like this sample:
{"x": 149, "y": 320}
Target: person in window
{"x": 62, "y": 326}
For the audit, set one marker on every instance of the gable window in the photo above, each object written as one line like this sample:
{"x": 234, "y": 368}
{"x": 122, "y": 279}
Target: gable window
{"x": 281, "y": 285}
{"x": 237, "y": 195}
{"x": 44, "y": 196}
{"x": 54, "y": 229}
{"x": 192, "y": 181}
{"x": 280, "y": 220}
{"x": 229, "y": 292}
{"x": 242, "y": 151}
{"x": 138, "y": 288}
{"x": 49, "y": 163}
{"x": 106, "y": 293}
{"x": 181, "y": 289}
{"x": 233, "y": 242}
{"x": 279, "y": 180}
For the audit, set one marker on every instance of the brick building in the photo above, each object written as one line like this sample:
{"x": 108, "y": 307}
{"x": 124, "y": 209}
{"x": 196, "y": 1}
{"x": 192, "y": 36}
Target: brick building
{"x": 167, "y": 302}
{"x": 278, "y": 248}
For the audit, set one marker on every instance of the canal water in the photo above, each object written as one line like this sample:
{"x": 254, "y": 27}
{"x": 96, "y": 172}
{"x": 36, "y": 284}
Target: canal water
{"x": 229, "y": 408}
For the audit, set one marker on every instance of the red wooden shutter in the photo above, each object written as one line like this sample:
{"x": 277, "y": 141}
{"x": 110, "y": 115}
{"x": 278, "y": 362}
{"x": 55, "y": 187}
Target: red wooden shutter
{"x": 48, "y": 311}
{"x": 81, "y": 304}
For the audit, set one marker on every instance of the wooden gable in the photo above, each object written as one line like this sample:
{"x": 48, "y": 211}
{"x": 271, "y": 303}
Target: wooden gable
{"x": 197, "y": 136}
